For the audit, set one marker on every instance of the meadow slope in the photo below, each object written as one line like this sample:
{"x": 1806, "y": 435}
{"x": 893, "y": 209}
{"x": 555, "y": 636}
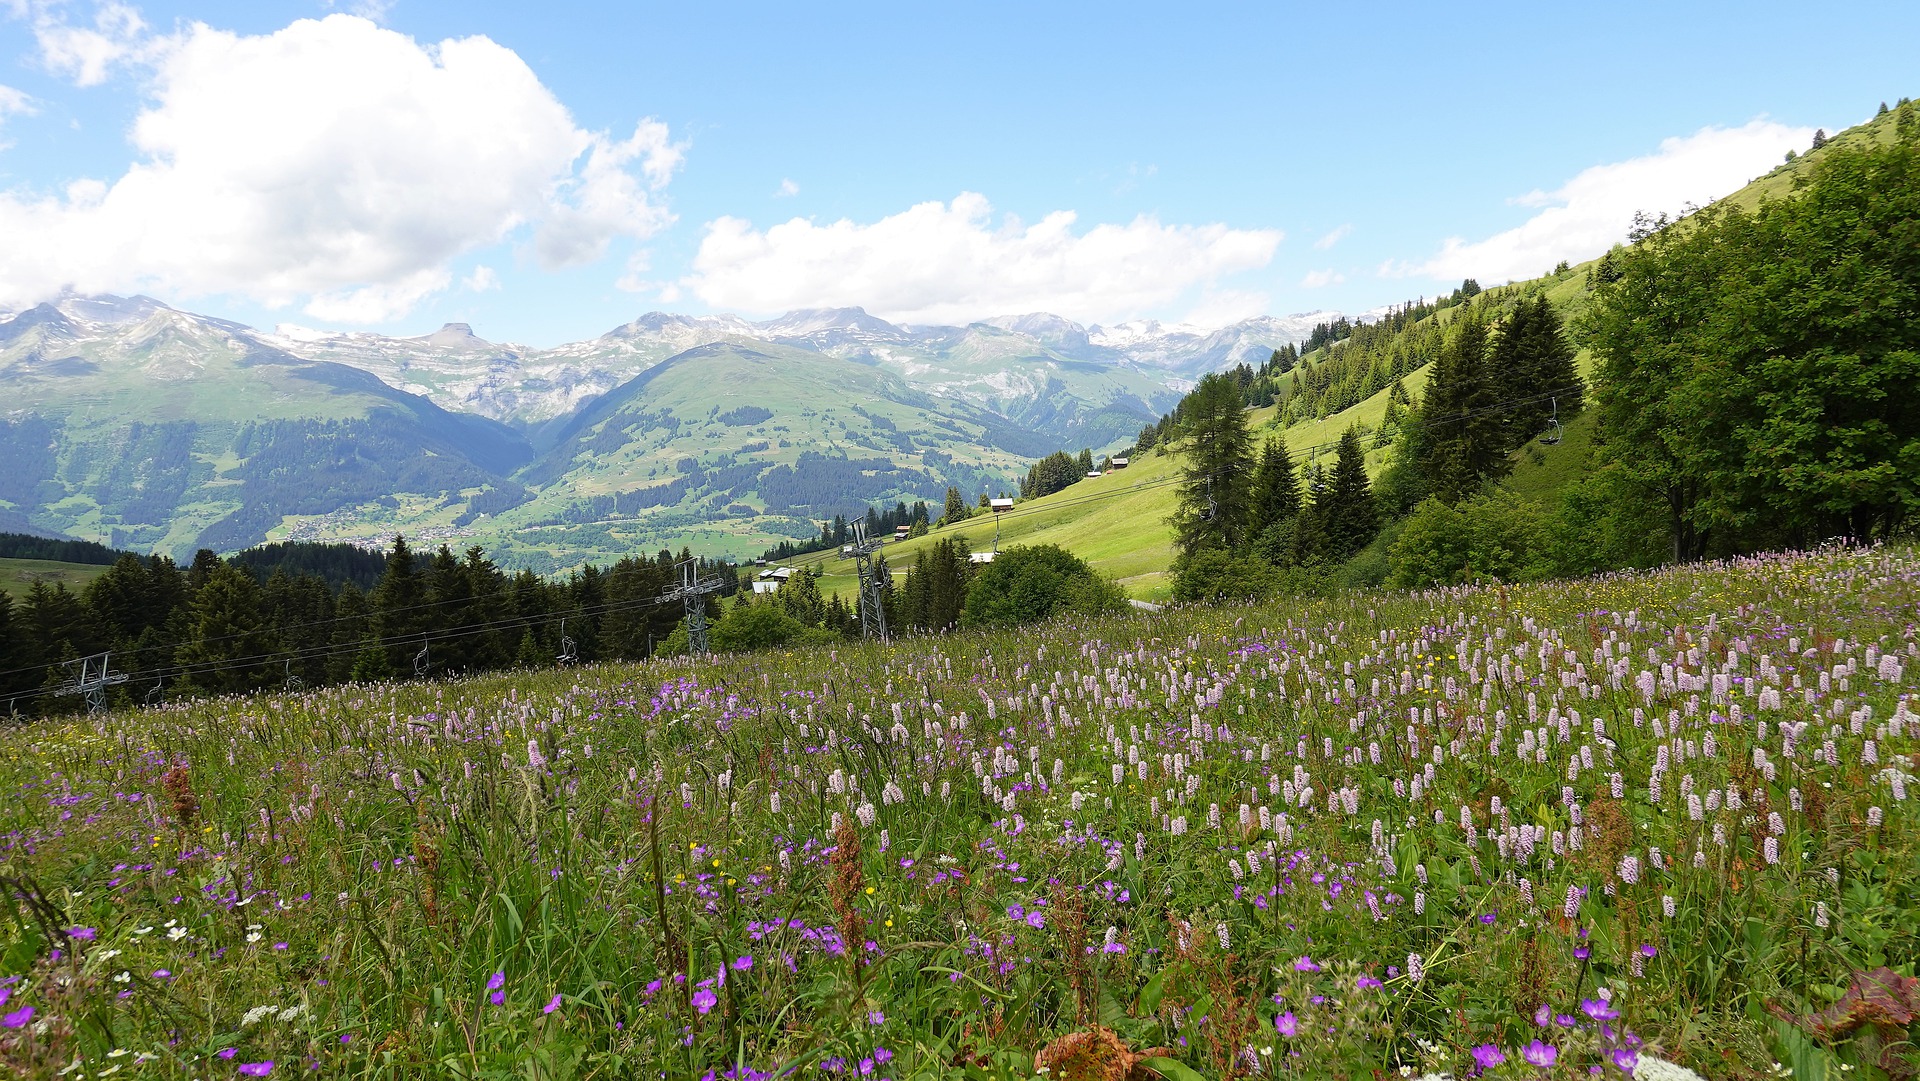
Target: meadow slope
{"x": 1583, "y": 824}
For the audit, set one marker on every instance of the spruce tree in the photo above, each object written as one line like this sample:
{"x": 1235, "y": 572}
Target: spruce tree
{"x": 1276, "y": 490}
{"x": 1465, "y": 435}
{"x": 232, "y": 643}
{"x": 1510, "y": 364}
{"x": 1550, "y": 361}
{"x": 1217, "y": 479}
{"x": 399, "y": 621}
{"x": 1349, "y": 519}
{"x": 956, "y": 509}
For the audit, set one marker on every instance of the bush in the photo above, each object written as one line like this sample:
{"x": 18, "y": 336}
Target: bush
{"x": 1492, "y": 536}
{"x": 1029, "y": 583}
{"x": 753, "y": 626}
{"x": 1213, "y": 575}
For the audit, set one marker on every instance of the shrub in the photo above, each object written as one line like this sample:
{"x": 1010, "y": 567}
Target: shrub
{"x": 1032, "y": 582}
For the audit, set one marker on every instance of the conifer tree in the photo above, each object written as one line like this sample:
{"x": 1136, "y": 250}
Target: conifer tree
{"x": 956, "y": 509}
{"x": 1465, "y": 435}
{"x": 231, "y": 645}
{"x": 352, "y": 629}
{"x": 1550, "y": 360}
{"x": 1217, "y": 479}
{"x": 398, "y": 615}
{"x": 1276, "y": 490}
{"x": 14, "y": 654}
{"x": 1346, "y": 516}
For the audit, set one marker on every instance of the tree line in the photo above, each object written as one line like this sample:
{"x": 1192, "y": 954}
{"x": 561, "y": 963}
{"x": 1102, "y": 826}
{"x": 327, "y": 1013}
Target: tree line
{"x": 1756, "y": 384}
{"x": 215, "y": 627}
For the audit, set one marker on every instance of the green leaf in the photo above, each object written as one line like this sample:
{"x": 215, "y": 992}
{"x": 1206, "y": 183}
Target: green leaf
{"x": 1150, "y": 994}
{"x": 1171, "y": 1070}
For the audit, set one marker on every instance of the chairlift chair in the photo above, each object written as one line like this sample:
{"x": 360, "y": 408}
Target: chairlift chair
{"x": 567, "y": 653}
{"x": 1553, "y": 432}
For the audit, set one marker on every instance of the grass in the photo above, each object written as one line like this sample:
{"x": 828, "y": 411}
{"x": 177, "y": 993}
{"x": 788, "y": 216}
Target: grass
{"x": 18, "y": 575}
{"x": 1330, "y": 838}
{"x": 1541, "y": 472}
{"x": 1119, "y": 523}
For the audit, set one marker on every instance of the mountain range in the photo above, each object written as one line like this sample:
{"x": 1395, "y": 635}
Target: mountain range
{"x": 159, "y": 429}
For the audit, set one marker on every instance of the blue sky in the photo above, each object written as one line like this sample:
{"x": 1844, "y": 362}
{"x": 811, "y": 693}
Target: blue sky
{"x": 1182, "y": 162}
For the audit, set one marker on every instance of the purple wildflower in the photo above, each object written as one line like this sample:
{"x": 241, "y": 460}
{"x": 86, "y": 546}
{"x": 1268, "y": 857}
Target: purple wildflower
{"x": 1305, "y": 964}
{"x": 256, "y": 1069}
{"x": 1540, "y": 1054}
{"x": 704, "y": 1000}
{"x": 552, "y": 1005}
{"x": 1489, "y": 1055}
{"x": 18, "y": 1018}
{"x": 1287, "y": 1024}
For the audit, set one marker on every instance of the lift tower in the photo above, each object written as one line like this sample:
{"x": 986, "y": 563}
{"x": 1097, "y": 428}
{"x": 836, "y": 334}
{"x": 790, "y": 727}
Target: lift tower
{"x": 692, "y": 591}
{"x": 873, "y": 614}
{"x": 91, "y": 680}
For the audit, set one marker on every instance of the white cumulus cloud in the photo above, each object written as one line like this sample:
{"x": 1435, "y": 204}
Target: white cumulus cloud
{"x": 786, "y": 189}
{"x": 1320, "y": 279}
{"x": 337, "y": 164}
{"x": 85, "y": 54}
{"x": 950, "y": 262}
{"x": 14, "y": 103}
{"x": 1593, "y": 211}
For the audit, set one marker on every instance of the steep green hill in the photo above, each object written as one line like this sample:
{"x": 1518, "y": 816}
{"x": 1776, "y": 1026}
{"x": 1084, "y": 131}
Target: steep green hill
{"x": 1119, "y": 523}
{"x": 734, "y": 448}
{"x": 167, "y": 431}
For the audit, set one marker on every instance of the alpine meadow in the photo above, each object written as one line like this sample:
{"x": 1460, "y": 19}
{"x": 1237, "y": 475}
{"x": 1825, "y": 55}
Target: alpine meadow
{"x": 1519, "y": 680}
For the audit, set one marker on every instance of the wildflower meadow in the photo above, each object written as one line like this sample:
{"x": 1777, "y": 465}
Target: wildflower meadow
{"x": 1643, "y": 825}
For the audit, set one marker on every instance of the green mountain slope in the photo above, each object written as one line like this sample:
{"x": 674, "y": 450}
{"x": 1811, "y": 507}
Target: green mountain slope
{"x": 733, "y": 448}
{"x": 1119, "y": 523}
{"x": 168, "y": 431}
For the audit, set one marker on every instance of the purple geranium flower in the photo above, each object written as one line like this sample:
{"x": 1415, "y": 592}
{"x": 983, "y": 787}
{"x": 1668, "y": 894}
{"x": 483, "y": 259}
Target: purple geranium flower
{"x": 1287, "y": 1024}
{"x": 1540, "y": 1054}
{"x": 1626, "y": 1058}
{"x": 18, "y": 1018}
{"x": 1305, "y": 964}
{"x": 1599, "y": 1009}
{"x": 256, "y": 1069}
{"x": 552, "y": 1005}
{"x": 1489, "y": 1055}
{"x": 704, "y": 1000}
